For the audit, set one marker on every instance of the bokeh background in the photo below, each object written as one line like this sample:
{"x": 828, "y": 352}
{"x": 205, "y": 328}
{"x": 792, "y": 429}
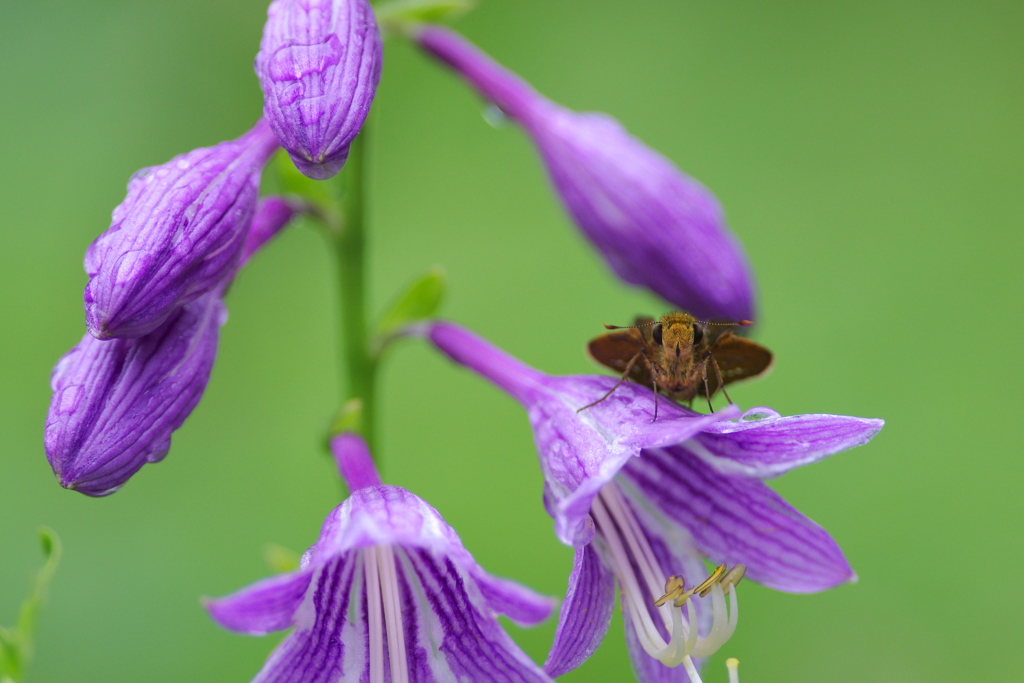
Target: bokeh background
{"x": 868, "y": 154}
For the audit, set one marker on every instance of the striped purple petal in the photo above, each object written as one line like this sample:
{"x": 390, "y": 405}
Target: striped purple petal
{"x": 738, "y": 520}
{"x": 267, "y": 605}
{"x": 454, "y": 618}
{"x": 329, "y": 643}
{"x": 580, "y": 451}
{"x": 763, "y": 444}
{"x": 586, "y": 612}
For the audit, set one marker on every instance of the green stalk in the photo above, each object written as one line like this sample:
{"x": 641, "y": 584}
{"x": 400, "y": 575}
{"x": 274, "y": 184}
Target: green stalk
{"x": 358, "y": 364}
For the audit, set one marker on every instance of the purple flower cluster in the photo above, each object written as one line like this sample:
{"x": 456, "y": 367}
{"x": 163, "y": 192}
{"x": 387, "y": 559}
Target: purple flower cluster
{"x": 388, "y": 592}
{"x": 642, "y": 501}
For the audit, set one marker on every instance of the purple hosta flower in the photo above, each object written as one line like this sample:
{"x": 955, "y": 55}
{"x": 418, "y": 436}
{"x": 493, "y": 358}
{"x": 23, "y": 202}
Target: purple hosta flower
{"x": 318, "y": 65}
{"x": 116, "y": 402}
{"x": 656, "y": 227}
{"x": 644, "y": 501}
{"x": 175, "y": 237}
{"x": 387, "y": 593}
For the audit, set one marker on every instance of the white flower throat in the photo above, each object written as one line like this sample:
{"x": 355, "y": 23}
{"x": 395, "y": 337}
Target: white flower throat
{"x": 384, "y": 614}
{"x": 640, "y": 577}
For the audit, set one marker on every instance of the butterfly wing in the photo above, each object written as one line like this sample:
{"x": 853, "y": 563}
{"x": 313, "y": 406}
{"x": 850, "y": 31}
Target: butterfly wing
{"x": 738, "y": 358}
{"x": 615, "y": 349}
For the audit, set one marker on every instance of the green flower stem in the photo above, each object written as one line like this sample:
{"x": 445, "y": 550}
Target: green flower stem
{"x": 358, "y": 363}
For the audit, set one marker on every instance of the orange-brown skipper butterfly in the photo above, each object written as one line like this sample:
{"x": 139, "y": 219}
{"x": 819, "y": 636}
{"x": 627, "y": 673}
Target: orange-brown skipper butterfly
{"x": 678, "y": 357}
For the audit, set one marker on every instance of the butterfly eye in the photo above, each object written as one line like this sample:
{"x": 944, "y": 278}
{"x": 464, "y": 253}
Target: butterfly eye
{"x": 698, "y": 333}
{"x": 657, "y": 333}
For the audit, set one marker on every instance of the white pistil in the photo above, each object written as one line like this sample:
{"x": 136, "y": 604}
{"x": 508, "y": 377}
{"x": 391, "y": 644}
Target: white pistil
{"x": 636, "y": 567}
{"x": 384, "y": 615}
{"x": 733, "y": 665}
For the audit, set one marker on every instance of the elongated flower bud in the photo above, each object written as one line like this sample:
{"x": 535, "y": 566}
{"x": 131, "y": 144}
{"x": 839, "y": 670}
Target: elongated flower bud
{"x": 175, "y": 237}
{"x": 655, "y": 226}
{"x": 116, "y": 402}
{"x": 318, "y": 65}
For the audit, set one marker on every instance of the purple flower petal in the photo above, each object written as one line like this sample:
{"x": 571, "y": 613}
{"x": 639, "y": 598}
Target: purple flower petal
{"x": 586, "y": 613}
{"x": 355, "y": 464}
{"x": 265, "y": 606}
{"x": 737, "y": 520}
{"x": 580, "y": 451}
{"x": 467, "y": 349}
{"x": 115, "y": 403}
{"x": 326, "y": 644}
{"x": 389, "y": 515}
{"x": 473, "y": 646}
{"x": 177, "y": 236}
{"x": 318, "y": 65}
{"x": 763, "y": 444}
{"x": 517, "y": 602}
{"x": 656, "y": 227}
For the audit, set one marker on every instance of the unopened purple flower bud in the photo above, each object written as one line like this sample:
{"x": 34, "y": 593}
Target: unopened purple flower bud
{"x": 318, "y": 65}
{"x": 175, "y": 237}
{"x": 655, "y": 226}
{"x": 116, "y": 402}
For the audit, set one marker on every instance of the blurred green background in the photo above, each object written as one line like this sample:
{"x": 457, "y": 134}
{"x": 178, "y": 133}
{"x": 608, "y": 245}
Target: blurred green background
{"x": 868, "y": 154}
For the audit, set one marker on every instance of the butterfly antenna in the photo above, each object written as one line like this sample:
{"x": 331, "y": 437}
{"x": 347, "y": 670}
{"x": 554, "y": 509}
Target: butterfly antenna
{"x": 738, "y": 323}
{"x": 629, "y": 327}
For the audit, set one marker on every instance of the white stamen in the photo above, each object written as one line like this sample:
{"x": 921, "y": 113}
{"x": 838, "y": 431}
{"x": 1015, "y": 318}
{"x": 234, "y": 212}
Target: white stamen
{"x": 376, "y": 622}
{"x": 393, "y": 616}
{"x": 636, "y": 567}
{"x": 384, "y": 615}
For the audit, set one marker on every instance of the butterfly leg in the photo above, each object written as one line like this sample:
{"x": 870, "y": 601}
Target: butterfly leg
{"x": 654, "y": 382}
{"x": 718, "y": 376}
{"x": 625, "y": 374}
{"x": 707, "y": 389}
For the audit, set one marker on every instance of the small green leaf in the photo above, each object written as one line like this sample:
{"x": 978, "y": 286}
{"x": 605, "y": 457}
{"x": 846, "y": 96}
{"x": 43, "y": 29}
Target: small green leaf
{"x": 319, "y": 194}
{"x": 396, "y": 14}
{"x": 280, "y": 559}
{"x": 420, "y": 301}
{"x": 16, "y": 643}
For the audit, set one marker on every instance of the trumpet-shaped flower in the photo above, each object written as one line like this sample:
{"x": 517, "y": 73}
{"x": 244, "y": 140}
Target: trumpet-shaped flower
{"x": 656, "y": 227}
{"x": 387, "y": 593}
{"x": 318, "y": 65}
{"x": 176, "y": 236}
{"x": 116, "y": 402}
{"x": 643, "y": 502}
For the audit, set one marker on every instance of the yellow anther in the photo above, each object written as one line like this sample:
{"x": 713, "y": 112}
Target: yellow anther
{"x": 715, "y": 577}
{"x": 733, "y": 577}
{"x": 681, "y": 600}
{"x": 673, "y": 587}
